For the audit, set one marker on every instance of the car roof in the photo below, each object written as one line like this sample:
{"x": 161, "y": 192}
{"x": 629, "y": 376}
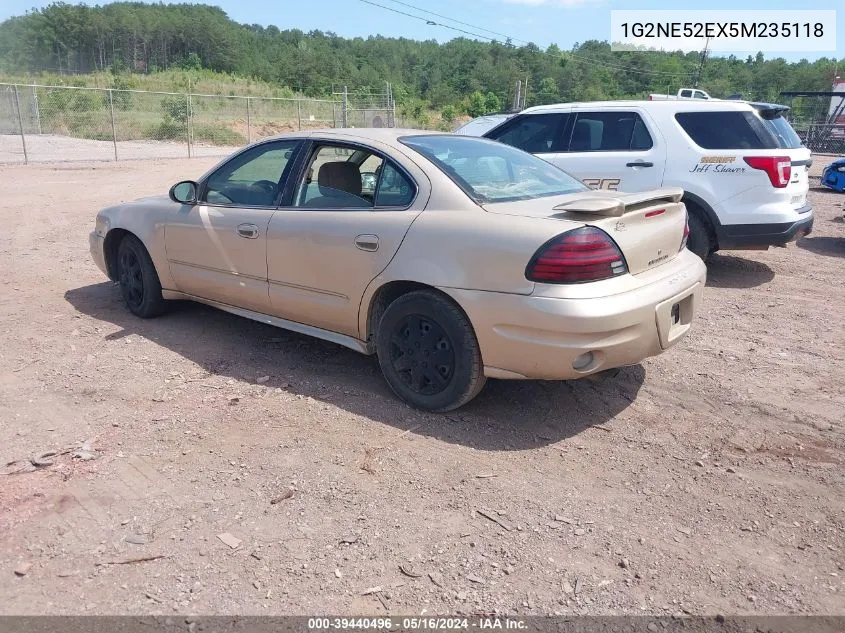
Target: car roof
{"x": 669, "y": 104}
{"x": 387, "y": 135}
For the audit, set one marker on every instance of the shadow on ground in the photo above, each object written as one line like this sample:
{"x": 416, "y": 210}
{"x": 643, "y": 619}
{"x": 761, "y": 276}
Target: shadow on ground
{"x": 507, "y": 415}
{"x": 830, "y": 246}
{"x": 728, "y": 271}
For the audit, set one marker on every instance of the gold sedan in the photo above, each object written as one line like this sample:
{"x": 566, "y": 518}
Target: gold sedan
{"x": 452, "y": 258}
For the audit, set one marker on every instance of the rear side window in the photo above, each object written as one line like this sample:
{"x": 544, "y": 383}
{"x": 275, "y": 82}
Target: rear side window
{"x": 609, "y": 132}
{"x": 394, "y": 189}
{"x": 533, "y": 133}
{"x": 726, "y": 130}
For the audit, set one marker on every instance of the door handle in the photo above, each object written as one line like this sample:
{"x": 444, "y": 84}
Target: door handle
{"x": 249, "y": 231}
{"x": 639, "y": 163}
{"x": 367, "y": 242}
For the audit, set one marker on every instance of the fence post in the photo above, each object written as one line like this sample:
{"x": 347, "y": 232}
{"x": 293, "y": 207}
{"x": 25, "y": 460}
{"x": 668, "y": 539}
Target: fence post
{"x": 248, "y": 122}
{"x": 113, "y": 126}
{"x": 344, "y": 106}
{"x": 37, "y": 108}
{"x": 188, "y": 121}
{"x": 20, "y": 125}
{"x": 299, "y": 114}
{"x": 334, "y": 115}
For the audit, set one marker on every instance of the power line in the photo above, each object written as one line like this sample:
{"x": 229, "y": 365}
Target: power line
{"x": 446, "y": 17}
{"x": 426, "y": 20}
{"x": 584, "y": 57}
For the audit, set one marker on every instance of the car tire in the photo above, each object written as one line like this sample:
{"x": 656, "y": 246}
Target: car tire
{"x": 699, "y": 241}
{"x": 139, "y": 282}
{"x": 428, "y": 352}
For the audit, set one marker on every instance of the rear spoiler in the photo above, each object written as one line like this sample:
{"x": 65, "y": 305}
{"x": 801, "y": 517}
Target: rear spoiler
{"x": 769, "y": 108}
{"x": 618, "y": 206}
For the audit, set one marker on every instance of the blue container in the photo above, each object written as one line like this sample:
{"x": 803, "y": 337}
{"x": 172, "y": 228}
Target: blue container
{"x": 834, "y": 176}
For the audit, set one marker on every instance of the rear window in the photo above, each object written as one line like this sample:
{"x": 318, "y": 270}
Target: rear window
{"x": 726, "y": 130}
{"x": 493, "y": 172}
{"x": 787, "y": 137}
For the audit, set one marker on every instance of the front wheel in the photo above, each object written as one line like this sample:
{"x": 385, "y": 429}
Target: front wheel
{"x": 428, "y": 352}
{"x": 138, "y": 278}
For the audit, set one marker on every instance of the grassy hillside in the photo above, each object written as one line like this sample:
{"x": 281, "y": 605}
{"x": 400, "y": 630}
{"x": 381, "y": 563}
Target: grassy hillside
{"x": 201, "y": 81}
{"x": 151, "y": 42}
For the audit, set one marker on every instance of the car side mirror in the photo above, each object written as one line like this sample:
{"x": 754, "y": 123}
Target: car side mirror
{"x": 368, "y": 180}
{"x": 184, "y": 192}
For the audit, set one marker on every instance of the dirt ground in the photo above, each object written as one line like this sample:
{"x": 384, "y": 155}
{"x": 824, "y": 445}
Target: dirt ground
{"x": 44, "y": 148}
{"x": 707, "y": 480}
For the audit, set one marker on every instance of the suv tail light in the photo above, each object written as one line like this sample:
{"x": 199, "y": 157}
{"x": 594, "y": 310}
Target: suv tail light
{"x": 777, "y": 168}
{"x": 685, "y": 238}
{"x": 577, "y": 256}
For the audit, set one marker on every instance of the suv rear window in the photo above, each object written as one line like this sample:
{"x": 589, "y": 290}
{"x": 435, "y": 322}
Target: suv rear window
{"x": 726, "y": 130}
{"x": 780, "y": 127}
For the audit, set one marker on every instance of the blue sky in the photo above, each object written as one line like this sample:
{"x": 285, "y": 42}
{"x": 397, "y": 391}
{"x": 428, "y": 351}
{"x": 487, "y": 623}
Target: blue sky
{"x": 562, "y": 22}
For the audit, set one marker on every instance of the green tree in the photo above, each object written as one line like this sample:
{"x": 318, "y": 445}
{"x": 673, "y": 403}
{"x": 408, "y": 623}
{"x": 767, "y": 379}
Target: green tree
{"x": 477, "y": 105}
{"x": 192, "y": 62}
{"x": 492, "y": 103}
{"x": 548, "y": 92}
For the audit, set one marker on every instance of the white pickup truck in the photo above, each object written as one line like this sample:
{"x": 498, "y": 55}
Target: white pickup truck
{"x": 683, "y": 93}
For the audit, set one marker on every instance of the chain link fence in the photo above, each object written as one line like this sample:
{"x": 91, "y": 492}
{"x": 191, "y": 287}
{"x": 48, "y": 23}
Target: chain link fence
{"x": 60, "y": 123}
{"x": 824, "y": 138}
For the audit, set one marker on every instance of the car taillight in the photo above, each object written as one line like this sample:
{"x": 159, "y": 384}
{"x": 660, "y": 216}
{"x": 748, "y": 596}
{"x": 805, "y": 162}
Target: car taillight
{"x": 777, "y": 168}
{"x": 685, "y": 238}
{"x": 577, "y": 256}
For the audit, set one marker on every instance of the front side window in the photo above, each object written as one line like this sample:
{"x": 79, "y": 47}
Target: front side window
{"x": 488, "y": 171}
{"x": 737, "y": 130}
{"x": 339, "y": 177}
{"x": 609, "y": 132}
{"x": 534, "y": 133}
{"x": 252, "y": 178}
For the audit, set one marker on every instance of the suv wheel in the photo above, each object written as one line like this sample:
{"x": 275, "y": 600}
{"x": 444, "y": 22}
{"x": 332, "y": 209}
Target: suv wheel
{"x": 700, "y": 241}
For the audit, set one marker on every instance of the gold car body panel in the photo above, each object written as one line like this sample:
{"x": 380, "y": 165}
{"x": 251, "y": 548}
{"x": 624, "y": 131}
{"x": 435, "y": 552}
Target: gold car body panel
{"x": 320, "y": 261}
{"x": 476, "y": 255}
{"x": 220, "y": 253}
{"x": 540, "y": 336}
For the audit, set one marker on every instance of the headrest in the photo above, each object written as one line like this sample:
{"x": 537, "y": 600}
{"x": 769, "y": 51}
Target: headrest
{"x": 341, "y": 176}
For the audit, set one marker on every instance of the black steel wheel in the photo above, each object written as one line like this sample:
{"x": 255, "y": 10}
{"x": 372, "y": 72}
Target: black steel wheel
{"x": 428, "y": 352}
{"x": 422, "y": 354}
{"x": 138, "y": 279}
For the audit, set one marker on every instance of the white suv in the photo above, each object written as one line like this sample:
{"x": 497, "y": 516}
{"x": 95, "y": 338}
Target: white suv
{"x": 742, "y": 166}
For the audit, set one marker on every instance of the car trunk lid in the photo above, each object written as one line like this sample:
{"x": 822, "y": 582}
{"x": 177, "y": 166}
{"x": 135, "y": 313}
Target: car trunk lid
{"x": 648, "y": 227}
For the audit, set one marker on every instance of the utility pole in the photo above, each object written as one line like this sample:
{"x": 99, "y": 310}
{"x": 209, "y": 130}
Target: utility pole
{"x": 702, "y": 58}
{"x": 517, "y": 99}
{"x": 525, "y": 94}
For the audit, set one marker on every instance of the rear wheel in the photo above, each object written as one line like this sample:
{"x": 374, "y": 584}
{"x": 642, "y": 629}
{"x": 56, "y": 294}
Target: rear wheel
{"x": 428, "y": 352}
{"x": 700, "y": 241}
{"x": 138, "y": 279}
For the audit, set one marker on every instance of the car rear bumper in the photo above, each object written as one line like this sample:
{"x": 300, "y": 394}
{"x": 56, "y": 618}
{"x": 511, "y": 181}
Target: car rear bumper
{"x": 95, "y": 243}
{"x": 753, "y": 235}
{"x": 541, "y": 337}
